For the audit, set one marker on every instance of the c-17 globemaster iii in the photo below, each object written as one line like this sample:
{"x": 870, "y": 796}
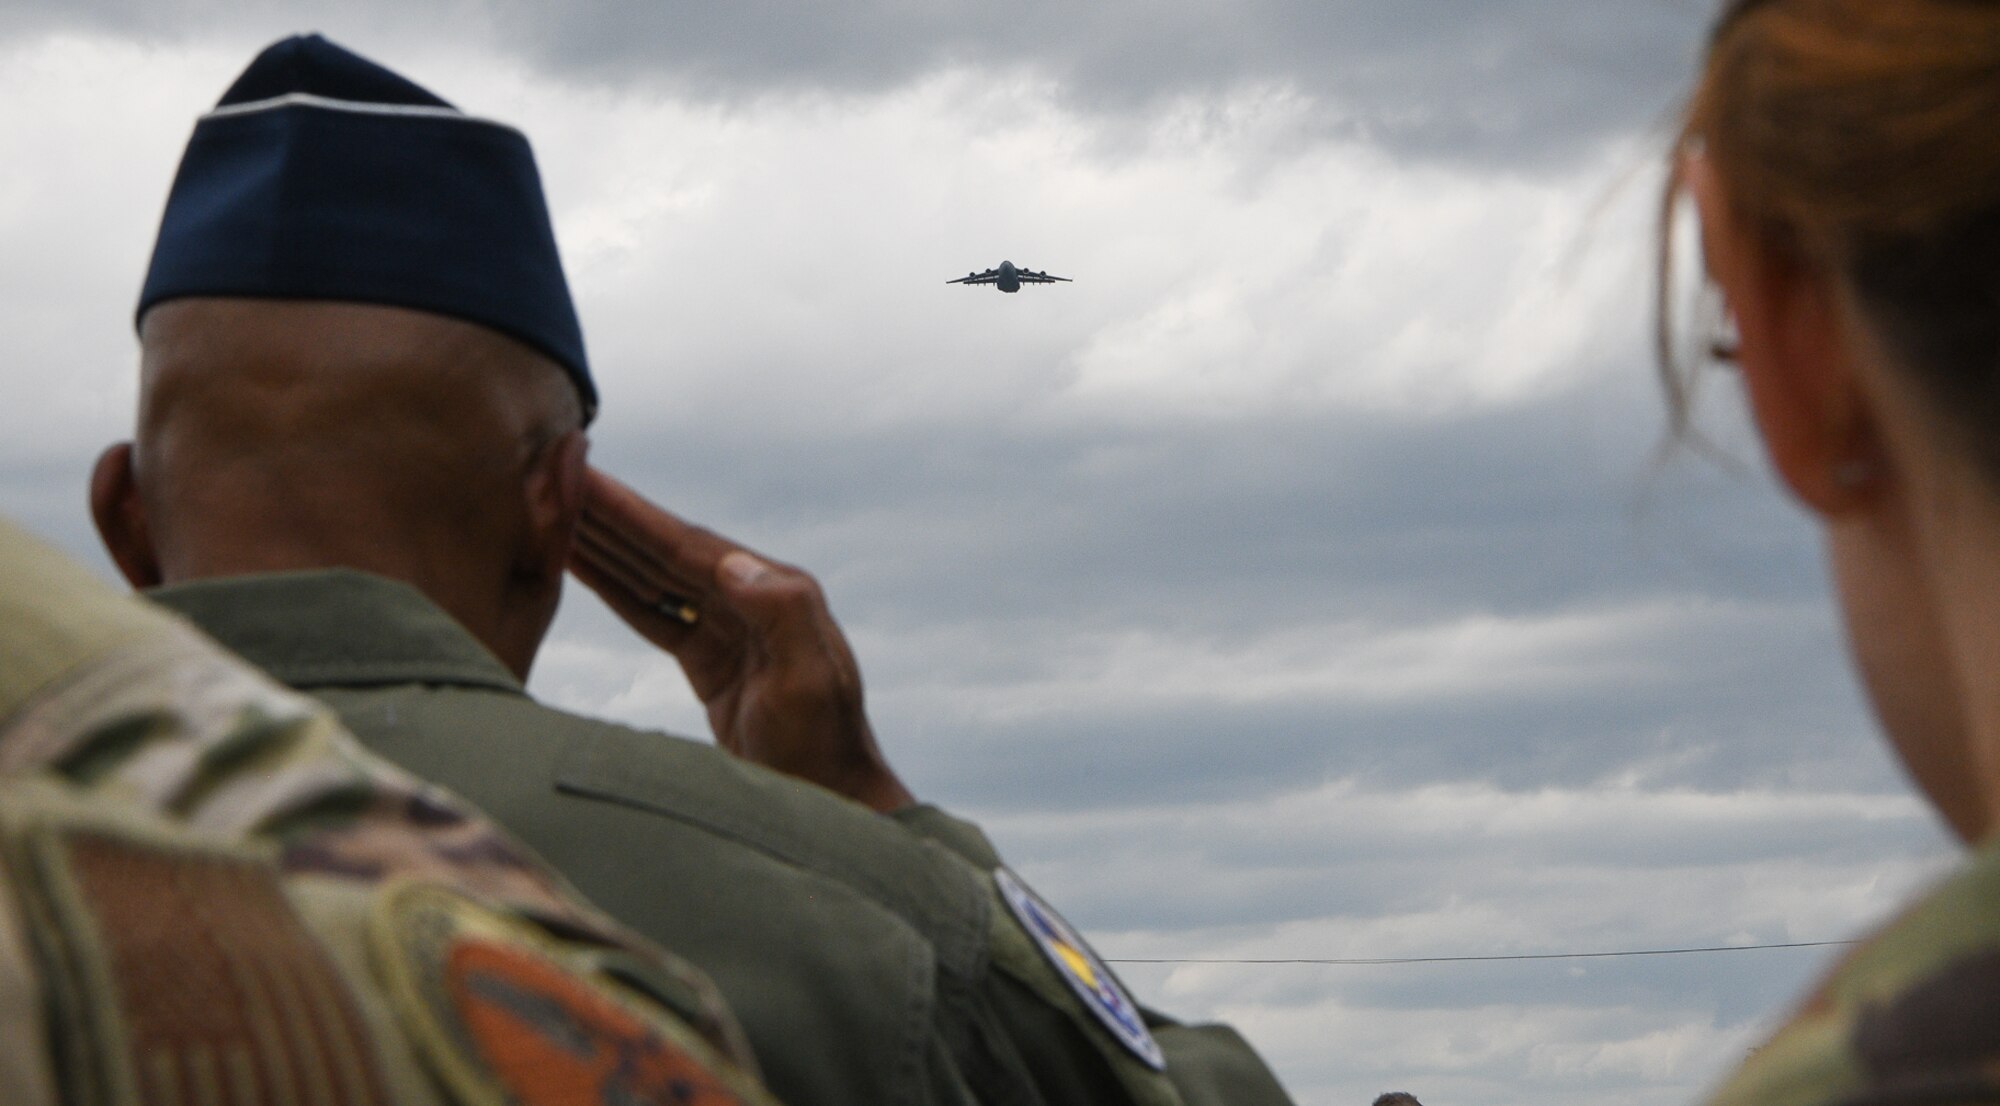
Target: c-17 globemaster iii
{"x": 1008, "y": 277}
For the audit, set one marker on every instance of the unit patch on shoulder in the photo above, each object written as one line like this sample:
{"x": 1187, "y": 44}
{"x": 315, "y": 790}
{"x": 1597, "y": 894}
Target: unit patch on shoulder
{"x": 1081, "y": 969}
{"x": 180, "y": 968}
{"x": 506, "y": 1021}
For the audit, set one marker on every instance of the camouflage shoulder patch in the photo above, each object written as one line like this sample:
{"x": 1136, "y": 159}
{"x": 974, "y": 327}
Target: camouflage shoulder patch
{"x": 1086, "y": 975}
{"x": 178, "y": 968}
{"x": 507, "y": 1017}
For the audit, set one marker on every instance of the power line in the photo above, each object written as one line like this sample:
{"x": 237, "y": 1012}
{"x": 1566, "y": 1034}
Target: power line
{"x": 1520, "y": 956}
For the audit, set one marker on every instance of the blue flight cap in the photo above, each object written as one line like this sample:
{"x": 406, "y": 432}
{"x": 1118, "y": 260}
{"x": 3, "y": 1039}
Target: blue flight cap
{"x": 322, "y": 175}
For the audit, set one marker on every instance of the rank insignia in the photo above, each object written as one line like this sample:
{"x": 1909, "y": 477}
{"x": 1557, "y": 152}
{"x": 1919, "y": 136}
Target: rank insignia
{"x": 507, "y": 1021}
{"x": 1100, "y": 991}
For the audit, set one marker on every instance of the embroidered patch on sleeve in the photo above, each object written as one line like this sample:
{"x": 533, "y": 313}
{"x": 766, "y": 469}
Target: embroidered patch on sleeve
{"x": 505, "y": 1020}
{"x": 1081, "y": 969}
{"x": 183, "y": 974}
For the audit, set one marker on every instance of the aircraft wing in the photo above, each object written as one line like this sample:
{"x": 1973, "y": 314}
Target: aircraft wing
{"x": 1026, "y": 276}
{"x": 987, "y": 277}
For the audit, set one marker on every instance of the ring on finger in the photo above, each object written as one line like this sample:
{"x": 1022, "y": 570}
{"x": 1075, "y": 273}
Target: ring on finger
{"x": 678, "y": 608}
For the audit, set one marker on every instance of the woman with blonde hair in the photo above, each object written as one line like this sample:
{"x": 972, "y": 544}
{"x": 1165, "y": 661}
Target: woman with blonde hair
{"x": 1844, "y": 158}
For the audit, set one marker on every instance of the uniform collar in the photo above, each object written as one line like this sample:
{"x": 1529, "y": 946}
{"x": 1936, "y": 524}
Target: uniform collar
{"x": 337, "y": 628}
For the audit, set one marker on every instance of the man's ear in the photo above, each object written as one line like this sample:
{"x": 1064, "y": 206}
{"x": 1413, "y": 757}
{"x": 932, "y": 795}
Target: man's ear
{"x": 1799, "y": 367}
{"x": 121, "y": 517}
{"x": 554, "y": 489}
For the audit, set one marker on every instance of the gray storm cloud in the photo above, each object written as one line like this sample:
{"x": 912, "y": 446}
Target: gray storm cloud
{"x": 1506, "y": 82}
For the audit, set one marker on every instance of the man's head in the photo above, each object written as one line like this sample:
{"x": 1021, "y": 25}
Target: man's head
{"x": 358, "y": 350}
{"x": 1397, "y": 1098}
{"x": 308, "y": 434}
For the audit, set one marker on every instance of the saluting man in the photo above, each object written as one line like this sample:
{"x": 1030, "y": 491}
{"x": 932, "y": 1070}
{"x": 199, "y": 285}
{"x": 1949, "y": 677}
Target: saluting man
{"x": 361, "y": 461}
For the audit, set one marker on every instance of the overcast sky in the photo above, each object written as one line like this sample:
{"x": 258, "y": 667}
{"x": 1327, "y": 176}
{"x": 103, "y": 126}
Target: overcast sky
{"x": 1303, "y": 581}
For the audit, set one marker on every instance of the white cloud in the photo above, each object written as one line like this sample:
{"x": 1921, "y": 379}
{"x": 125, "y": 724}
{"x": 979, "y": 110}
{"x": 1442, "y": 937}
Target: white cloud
{"x": 89, "y": 166}
{"x": 1366, "y": 284}
{"x": 1471, "y": 656}
{"x": 1214, "y": 276}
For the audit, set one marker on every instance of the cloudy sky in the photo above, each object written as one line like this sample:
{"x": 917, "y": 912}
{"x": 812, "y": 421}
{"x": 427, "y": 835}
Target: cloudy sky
{"x": 1303, "y": 582}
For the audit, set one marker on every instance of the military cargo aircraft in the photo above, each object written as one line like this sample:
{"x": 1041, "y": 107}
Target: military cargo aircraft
{"x": 1008, "y": 277}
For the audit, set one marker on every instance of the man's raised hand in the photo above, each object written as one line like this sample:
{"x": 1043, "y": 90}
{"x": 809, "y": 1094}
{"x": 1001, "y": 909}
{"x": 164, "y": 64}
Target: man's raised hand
{"x": 754, "y": 637}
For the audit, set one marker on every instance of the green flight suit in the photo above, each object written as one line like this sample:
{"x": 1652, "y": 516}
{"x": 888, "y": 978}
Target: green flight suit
{"x": 1910, "y": 1017}
{"x": 869, "y": 959}
{"x": 209, "y": 893}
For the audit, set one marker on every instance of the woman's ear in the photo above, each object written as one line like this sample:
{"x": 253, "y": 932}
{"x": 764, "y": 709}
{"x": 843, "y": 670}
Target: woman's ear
{"x": 120, "y": 516}
{"x": 1795, "y": 351}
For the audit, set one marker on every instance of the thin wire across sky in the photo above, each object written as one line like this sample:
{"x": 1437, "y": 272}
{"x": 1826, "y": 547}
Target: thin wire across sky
{"x": 1376, "y": 961}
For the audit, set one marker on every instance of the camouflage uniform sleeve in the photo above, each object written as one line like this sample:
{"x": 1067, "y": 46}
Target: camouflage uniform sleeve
{"x": 1193, "y": 1065}
{"x": 218, "y": 888}
{"x": 1912, "y": 1016}
{"x": 26, "y": 1074}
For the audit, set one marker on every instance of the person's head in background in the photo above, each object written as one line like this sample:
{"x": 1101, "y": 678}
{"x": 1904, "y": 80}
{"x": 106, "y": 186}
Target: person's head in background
{"x": 1397, "y": 1098}
{"x": 1845, "y": 162}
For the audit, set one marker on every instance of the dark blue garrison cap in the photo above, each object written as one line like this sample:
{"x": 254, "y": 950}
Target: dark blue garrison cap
{"x": 322, "y": 175}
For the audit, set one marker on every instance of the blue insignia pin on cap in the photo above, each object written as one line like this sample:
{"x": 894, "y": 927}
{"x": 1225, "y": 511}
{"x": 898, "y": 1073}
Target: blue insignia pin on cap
{"x": 322, "y": 175}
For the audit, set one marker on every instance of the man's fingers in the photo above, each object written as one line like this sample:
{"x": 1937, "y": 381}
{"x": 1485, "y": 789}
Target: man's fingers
{"x": 632, "y": 564}
{"x": 748, "y": 610}
{"x": 615, "y": 571}
{"x": 655, "y": 552}
{"x": 686, "y": 551}
{"x": 607, "y": 494}
{"x": 616, "y": 593}
{"x": 665, "y": 563}
{"x": 652, "y": 612}
{"x": 662, "y": 609}
{"x": 639, "y": 555}
{"x": 594, "y": 551}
